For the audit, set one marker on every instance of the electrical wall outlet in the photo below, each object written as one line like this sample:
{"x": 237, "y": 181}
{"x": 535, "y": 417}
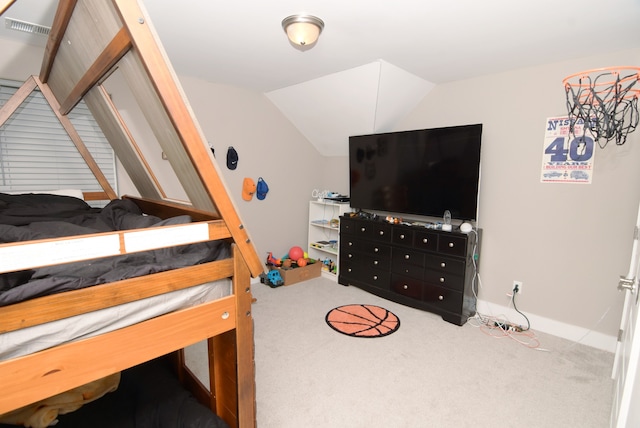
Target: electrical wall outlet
{"x": 517, "y": 287}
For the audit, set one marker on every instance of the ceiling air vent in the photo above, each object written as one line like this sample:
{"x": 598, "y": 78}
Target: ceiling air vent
{"x": 27, "y": 27}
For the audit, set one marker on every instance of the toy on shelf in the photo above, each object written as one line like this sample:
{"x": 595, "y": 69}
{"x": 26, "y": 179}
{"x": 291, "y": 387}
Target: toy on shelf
{"x": 329, "y": 265}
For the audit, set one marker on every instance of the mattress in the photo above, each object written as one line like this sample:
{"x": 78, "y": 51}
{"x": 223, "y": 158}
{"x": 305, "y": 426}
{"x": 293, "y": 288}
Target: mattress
{"x": 40, "y": 337}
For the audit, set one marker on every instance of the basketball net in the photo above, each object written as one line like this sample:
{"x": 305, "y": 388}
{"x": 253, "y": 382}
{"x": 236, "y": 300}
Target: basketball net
{"x": 606, "y": 101}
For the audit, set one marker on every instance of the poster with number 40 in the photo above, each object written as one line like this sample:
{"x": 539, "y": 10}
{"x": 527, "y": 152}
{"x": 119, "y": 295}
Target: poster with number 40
{"x": 566, "y": 158}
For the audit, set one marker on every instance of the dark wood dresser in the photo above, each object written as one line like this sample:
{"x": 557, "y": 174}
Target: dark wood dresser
{"x": 428, "y": 269}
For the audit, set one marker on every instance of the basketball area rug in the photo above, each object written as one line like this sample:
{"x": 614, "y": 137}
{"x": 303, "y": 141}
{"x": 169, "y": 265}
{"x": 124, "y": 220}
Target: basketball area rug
{"x": 362, "y": 320}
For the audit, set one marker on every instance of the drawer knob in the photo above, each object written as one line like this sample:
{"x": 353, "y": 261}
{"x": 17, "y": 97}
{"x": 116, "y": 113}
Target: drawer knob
{"x": 441, "y": 297}
{"x": 406, "y": 287}
{"x": 450, "y": 244}
{"x": 375, "y": 277}
{"x": 349, "y": 269}
{"x": 350, "y": 244}
{"x": 425, "y": 240}
{"x": 350, "y": 255}
{"x": 443, "y": 265}
{"x": 402, "y": 236}
{"x": 363, "y": 229}
{"x": 406, "y": 256}
{"x": 375, "y": 262}
{"x": 375, "y": 250}
{"x": 381, "y": 232}
{"x": 442, "y": 279}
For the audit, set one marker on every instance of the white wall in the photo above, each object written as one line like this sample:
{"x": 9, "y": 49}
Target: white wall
{"x": 17, "y": 61}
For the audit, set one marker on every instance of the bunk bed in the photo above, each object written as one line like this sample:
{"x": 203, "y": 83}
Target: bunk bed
{"x": 88, "y": 43}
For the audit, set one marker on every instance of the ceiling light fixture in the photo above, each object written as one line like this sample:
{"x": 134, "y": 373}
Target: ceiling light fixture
{"x": 303, "y": 30}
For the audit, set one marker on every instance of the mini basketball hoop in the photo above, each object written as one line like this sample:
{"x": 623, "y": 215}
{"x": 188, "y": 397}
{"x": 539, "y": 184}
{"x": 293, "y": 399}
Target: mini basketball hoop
{"x": 605, "y": 100}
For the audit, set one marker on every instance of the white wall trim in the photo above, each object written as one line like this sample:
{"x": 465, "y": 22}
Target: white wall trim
{"x": 549, "y": 326}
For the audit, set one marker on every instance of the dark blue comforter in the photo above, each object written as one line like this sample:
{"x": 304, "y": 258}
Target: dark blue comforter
{"x": 36, "y": 216}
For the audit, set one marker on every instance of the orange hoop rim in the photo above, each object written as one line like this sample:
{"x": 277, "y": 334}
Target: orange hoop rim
{"x": 596, "y": 72}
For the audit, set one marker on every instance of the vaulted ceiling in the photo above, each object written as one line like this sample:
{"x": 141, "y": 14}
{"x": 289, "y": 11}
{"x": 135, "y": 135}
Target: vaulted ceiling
{"x": 374, "y": 61}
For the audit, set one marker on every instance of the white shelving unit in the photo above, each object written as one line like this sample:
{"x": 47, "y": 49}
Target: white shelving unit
{"x": 324, "y": 233}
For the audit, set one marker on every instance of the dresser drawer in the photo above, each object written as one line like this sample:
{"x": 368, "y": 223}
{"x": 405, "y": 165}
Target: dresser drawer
{"x": 408, "y": 269}
{"x": 347, "y": 225}
{"x": 375, "y": 262}
{"x": 445, "y": 264}
{"x": 442, "y": 298}
{"x": 369, "y": 229}
{"x": 452, "y": 245}
{"x": 350, "y": 244}
{"x": 427, "y": 241}
{"x": 369, "y": 260}
{"x": 361, "y": 273}
{"x": 444, "y": 279}
{"x": 409, "y": 287}
{"x": 381, "y": 231}
{"x": 402, "y": 255}
{"x": 402, "y": 236}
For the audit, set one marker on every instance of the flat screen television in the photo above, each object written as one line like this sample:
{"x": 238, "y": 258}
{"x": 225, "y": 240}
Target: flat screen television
{"x": 421, "y": 172}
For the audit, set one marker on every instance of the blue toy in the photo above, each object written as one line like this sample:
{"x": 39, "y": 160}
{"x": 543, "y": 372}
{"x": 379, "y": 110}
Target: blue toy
{"x": 275, "y": 278}
{"x": 272, "y": 279}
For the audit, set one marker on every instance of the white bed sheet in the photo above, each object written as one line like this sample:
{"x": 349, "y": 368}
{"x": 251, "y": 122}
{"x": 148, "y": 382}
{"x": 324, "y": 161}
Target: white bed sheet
{"x": 37, "y": 338}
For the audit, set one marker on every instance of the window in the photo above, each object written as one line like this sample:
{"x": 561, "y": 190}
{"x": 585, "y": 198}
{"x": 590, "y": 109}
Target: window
{"x": 36, "y": 154}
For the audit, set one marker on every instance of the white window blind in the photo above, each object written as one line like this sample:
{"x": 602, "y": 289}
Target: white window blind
{"x": 36, "y": 154}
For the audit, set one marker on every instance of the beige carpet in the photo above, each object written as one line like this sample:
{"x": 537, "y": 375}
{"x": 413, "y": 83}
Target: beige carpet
{"x": 429, "y": 373}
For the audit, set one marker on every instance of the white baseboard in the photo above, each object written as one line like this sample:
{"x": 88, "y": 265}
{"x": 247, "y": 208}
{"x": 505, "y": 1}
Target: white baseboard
{"x": 553, "y": 327}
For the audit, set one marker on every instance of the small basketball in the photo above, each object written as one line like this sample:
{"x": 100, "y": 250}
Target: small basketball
{"x": 362, "y": 320}
{"x": 296, "y": 253}
{"x": 302, "y": 262}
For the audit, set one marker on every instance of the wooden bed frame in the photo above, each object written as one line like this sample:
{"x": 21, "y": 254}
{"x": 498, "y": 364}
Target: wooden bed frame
{"x": 88, "y": 42}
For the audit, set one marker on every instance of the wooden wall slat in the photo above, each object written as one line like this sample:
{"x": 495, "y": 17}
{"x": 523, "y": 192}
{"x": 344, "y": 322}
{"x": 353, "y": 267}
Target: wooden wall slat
{"x": 93, "y": 25}
{"x": 116, "y": 49}
{"x": 77, "y": 140}
{"x": 164, "y": 132}
{"x": 17, "y": 99}
{"x": 58, "y": 28}
{"x": 124, "y": 146}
